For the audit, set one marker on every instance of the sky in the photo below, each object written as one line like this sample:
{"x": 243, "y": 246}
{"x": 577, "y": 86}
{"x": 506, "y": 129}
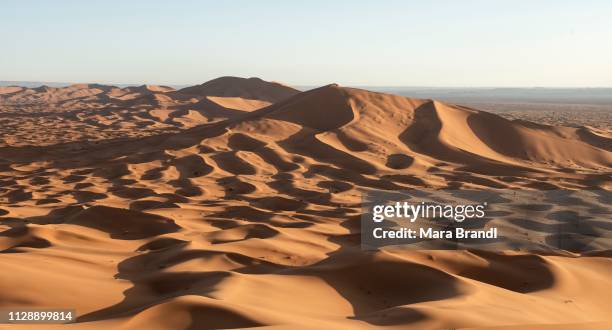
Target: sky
{"x": 360, "y": 43}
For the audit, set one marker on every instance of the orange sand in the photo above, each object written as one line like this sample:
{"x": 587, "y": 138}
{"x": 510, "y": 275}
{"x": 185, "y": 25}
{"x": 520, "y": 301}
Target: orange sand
{"x": 236, "y": 204}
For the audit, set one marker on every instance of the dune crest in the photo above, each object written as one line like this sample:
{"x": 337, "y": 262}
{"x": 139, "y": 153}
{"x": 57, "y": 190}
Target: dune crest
{"x": 251, "y": 88}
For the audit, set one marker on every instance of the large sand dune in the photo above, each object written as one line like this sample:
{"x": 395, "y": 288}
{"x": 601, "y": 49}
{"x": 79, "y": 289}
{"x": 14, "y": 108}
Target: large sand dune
{"x": 236, "y": 203}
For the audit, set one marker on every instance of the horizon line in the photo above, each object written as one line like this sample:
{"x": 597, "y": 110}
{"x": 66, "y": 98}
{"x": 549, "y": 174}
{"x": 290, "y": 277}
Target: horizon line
{"x": 18, "y": 83}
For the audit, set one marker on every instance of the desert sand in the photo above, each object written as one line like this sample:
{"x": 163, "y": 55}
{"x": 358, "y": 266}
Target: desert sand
{"x": 236, "y": 203}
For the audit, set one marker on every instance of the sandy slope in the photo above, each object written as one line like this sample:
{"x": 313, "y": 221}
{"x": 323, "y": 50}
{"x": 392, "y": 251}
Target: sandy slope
{"x": 251, "y": 88}
{"x": 93, "y": 112}
{"x": 254, "y": 220}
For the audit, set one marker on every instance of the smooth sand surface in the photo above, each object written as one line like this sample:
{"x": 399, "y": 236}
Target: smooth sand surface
{"x": 236, "y": 203}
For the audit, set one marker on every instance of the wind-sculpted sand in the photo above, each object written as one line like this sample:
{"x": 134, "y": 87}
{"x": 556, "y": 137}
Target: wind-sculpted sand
{"x": 237, "y": 204}
{"x": 90, "y": 113}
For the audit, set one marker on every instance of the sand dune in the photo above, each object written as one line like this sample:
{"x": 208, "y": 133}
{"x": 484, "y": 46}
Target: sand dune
{"x": 251, "y": 88}
{"x": 92, "y": 112}
{"x": 236, "y": 203}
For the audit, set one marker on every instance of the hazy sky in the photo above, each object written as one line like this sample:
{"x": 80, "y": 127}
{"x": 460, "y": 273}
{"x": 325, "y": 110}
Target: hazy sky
{"x": 384, "y": 43}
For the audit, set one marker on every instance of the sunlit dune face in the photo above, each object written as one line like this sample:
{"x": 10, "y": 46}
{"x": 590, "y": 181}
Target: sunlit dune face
{"x": 238, "y": 103}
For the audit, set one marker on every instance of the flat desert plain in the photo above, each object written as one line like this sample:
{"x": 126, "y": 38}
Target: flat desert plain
{"x": 237, "y": 203}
